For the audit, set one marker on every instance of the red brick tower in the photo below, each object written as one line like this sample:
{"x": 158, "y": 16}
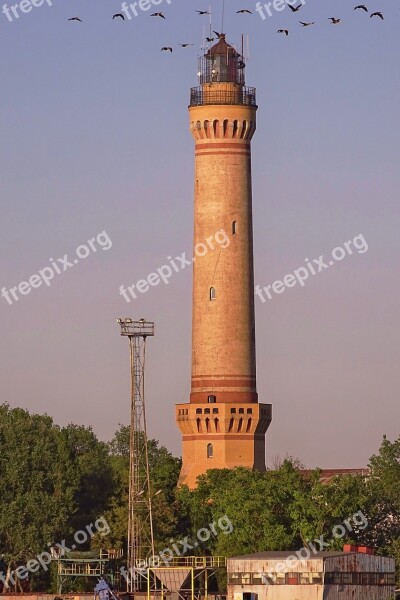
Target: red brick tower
{"x": 223, "y": 426}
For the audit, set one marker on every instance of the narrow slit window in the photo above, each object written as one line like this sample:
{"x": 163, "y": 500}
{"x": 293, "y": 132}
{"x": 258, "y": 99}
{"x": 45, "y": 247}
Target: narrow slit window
{"x": 210, "y": 451}
{"x": 235, "y": 128}
{"x": 234, "y": 227}
{"x": 213, "y": 293}
{"x": 216, "y": 128}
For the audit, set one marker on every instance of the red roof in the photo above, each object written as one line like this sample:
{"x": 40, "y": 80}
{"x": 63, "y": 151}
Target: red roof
{"x": 222, "y": 48}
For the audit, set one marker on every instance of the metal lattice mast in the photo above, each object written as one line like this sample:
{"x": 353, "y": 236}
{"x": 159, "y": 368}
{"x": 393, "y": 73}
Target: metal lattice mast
{"x": 140, "y": 522}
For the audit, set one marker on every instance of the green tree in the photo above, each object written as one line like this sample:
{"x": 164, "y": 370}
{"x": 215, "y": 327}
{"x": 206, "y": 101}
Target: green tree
{"x": 164, "y": 472}
{"x": 52, "y": 482}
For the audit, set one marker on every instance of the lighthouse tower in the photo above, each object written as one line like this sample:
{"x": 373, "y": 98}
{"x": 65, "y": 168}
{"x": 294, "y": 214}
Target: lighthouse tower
{"x": 223, "y": 425}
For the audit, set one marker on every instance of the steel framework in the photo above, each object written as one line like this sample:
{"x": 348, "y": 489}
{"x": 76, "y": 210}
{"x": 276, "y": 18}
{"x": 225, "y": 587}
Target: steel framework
{"x": 140, "y": 522}
{"x": 185, "y": 578}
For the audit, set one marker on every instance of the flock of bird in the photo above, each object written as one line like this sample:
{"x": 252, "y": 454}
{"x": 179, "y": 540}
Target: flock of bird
{"x": 242, "y": 11}
{"x": 333, "y": 20}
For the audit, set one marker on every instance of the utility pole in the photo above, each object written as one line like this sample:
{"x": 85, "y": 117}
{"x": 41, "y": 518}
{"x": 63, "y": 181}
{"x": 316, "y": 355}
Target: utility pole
{"x": 140, "y": 522}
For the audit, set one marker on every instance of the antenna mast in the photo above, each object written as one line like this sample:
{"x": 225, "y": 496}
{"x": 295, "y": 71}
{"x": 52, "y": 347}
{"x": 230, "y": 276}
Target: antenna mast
{"x": 140, "y": 520}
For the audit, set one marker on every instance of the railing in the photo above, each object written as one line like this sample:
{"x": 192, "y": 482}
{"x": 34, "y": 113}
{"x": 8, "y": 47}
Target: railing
{"x": 195, "y": 562}
{"x": 200, "y": 96}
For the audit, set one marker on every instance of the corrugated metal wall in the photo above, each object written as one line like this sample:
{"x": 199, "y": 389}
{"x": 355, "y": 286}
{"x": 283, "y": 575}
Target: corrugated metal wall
{"x": 341, "y": 563}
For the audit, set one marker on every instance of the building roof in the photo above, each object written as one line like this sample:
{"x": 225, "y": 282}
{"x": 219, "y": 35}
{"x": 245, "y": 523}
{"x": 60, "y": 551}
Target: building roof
{"x": 222, "y": 48}
{"x": 286, "y": 553}
{"x": 328, "y": 474}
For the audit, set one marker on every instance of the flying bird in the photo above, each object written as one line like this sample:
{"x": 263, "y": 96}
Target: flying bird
{"x": 295, "y": 8}
{"x": 362, "y": 6}
{"x": 202, "y": 12}
{"x": 335, "y": 21}
{"x": 75, "y": 19}
{"x": 185, "y": 45}
{"x": 307, "y": 24}
{"x": 376, "y": 14}
{"x": 158, "y": 14}
{"x": 119, "y": 15}
{"x": 208, "y": 39}
{"x": 285, "y": 31}
{"x": 166, "y": 49}
{"x": 244, "y": 10}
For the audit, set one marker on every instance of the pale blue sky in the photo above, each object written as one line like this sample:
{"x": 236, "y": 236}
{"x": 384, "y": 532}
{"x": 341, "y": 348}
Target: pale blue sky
{"x": 95, "y": 137}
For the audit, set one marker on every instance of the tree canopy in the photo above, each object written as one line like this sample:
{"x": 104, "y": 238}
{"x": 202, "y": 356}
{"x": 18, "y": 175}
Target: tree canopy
{"x": 57, "y": 480}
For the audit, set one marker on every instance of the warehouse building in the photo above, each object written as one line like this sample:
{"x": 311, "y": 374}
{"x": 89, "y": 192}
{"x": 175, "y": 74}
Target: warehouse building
{"x": 355, "y": 574}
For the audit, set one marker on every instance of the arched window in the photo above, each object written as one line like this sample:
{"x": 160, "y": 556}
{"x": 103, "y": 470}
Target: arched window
{"x": 213, "y": 293}
{"x": 210, "y": 451}
{"x": 235, "y": 128}
{"x": 216, "y": 128}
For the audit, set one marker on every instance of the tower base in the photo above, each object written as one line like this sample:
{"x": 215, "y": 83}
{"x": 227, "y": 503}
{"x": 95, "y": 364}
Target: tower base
{"x": 221, "y": 436}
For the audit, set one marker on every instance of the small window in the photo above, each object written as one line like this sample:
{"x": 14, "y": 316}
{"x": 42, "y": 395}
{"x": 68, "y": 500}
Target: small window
{"x": 212, "y": 399}
{"x": 235, "y": 128}
{"x": 234, "y": 227}
{"x": 216, "y": 128}
{"x": 198, "y": 411}
{"x": 207, "y": 411}
{"x": 210, "y": 451}
{"x": 249, "y": 411}
{"x": 347, "y": 578}
{"x": 241, "y": 411}
{"x": 233, "y": 410}
{"x": 292, "y": 578}
{"x": 215, "y": 411}
{"x": 213, "y": 293}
